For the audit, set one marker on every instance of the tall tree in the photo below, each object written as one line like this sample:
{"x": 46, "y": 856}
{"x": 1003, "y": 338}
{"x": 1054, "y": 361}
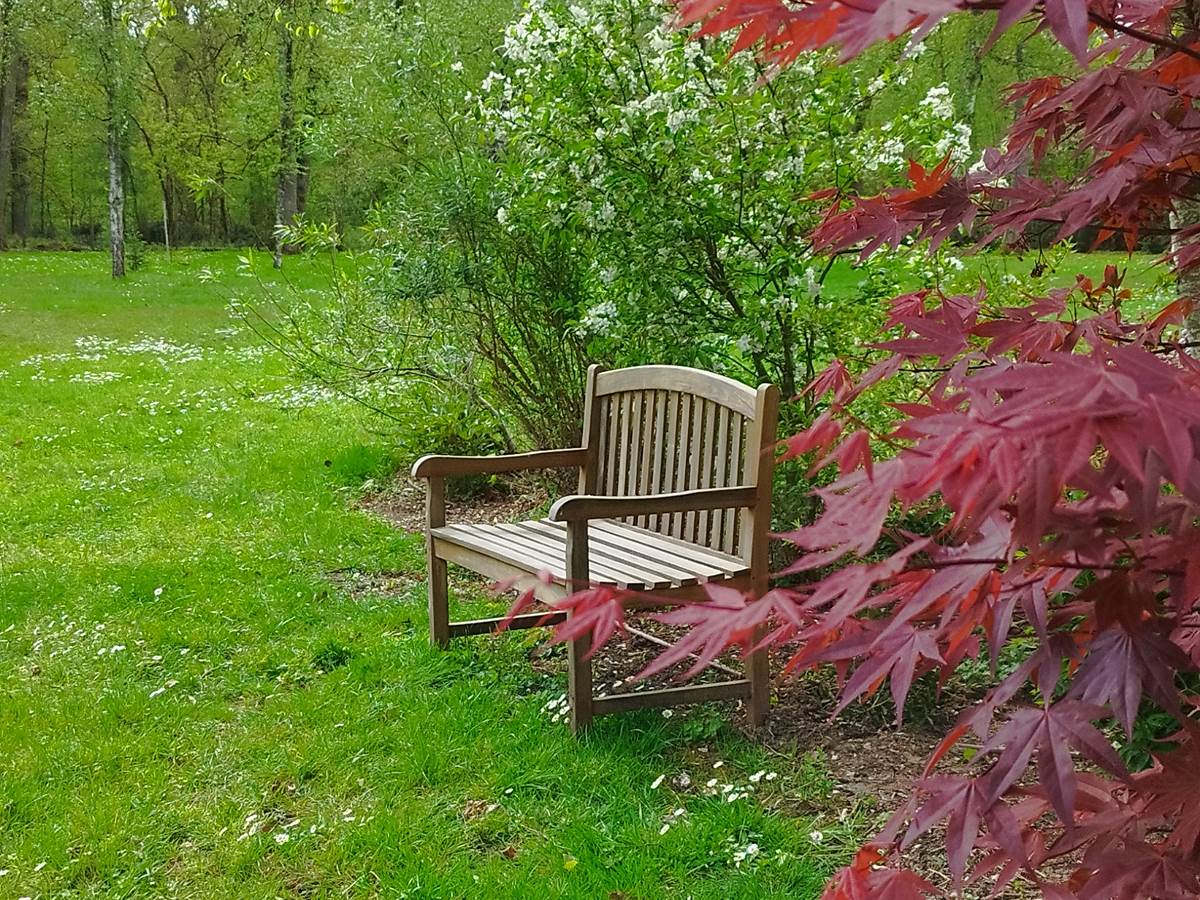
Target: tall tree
{"x": 19, "y": 197}
{"x": 8, "y": 57}
{"x": 115, "y": 118}
{"x": 286, "y": 177}
{"x": 289, "y": 152}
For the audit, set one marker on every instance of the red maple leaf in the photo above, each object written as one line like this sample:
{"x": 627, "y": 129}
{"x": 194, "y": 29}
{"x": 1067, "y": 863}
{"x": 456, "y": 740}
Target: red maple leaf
{"x": 1139, "y": 871}
{"x": 1170, "y": 790}
{"x": 1050, "y": 731}
{"x": 868, "y": 879}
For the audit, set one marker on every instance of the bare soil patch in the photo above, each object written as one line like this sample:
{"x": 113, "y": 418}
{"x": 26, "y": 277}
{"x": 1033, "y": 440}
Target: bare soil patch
{"x": 403, "y": 503}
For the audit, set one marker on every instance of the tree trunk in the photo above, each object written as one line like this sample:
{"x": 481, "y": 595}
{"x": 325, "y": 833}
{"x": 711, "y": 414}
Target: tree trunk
{"x": 164, "y": 182}
{"x": 116, "y": 202}
{"x": 20, "y": 199}
{"x": 131, "y": 193}
{"x": 45, "y": 223}
{"x": 7, "y": 102}
{"x": 114, "y": 139}
{"x": 285, "y": 188}
{"x": 302, "y": 185}
{"x": 303, "y": 167}
{"x": 222, "y": 206}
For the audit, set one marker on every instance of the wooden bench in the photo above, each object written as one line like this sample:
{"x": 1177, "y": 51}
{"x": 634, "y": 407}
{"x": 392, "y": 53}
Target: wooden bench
{"x": 674, "y": 492}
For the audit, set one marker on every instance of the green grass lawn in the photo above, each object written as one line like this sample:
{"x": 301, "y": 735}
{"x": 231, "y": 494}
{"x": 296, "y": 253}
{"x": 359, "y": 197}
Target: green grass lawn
{"x": 191, "y": 707}
{"x": 1148, "y": 279}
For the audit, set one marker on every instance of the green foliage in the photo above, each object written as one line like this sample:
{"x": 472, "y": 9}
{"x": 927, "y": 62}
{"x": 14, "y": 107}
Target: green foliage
{"x": 953, "y": 56}
{"x": 684, "y": 181}
{"x": 275, "y": 675}
{"x": 375, "y": 85}
{"x": 501, "y": 303}
{"x": 135, "y": 248}
{"x": 1152, "y": 730}
{"x": 610, "y": 191}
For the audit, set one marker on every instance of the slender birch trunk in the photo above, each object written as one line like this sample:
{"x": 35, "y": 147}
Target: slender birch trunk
{"x": 114, "y": 138}
{"x": 285, "y": 188}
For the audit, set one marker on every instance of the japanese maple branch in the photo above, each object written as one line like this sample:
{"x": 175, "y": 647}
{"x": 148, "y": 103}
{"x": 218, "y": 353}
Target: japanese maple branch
{"x": 1143, "y": 36}
{"x": 1076, "y": 566}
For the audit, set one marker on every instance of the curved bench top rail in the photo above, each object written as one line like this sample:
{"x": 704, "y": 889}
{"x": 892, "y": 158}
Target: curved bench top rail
{"x": 720, "y": 389}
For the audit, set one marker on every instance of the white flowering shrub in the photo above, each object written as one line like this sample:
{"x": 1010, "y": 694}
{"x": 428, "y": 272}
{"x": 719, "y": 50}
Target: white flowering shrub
{"x": 603, "y": 188}
{"x": 685, "y": 175}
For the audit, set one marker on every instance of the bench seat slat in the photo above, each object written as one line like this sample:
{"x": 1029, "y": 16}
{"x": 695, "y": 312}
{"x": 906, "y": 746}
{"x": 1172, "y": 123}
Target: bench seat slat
{"x": 620, "y": 554}
{"x": 553, "y": 541}
{"x": 486, "y": 540}
{"x": 651, "y": 549}
{"x": 686, "y": 566}
{"x": 671, "y": 569}
{"x": 533, "y": 555}
{"x": 665, "y": 543}
{"x": 663, "y": 572}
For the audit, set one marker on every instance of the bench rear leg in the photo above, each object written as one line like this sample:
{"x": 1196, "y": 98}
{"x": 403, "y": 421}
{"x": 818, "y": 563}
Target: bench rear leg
{"x": 439, "y": 602}
{"x": 759, "y": 673}
{"x": 758, "y": 665}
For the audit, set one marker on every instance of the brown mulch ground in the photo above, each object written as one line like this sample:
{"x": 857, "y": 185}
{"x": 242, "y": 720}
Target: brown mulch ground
{"x": 403, "y": 503}
{"x": 867, "y": 757}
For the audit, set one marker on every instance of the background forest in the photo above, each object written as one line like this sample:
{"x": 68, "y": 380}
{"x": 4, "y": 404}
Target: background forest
{"x": 215, "y": 101}
{"x": 506, "y": 195}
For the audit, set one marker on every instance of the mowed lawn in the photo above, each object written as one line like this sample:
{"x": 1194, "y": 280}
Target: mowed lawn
{"x": 191, "y": 706}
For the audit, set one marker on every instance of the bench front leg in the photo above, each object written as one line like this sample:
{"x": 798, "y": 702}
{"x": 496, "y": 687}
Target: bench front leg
{"x": 439, "y": 593}
{"x": 579, "y": 667}
{"x": 758, "y": 668}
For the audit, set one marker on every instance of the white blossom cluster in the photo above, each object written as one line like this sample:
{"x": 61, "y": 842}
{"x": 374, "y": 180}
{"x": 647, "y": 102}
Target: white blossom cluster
{"x": 685, "y": 178}
{"x": 939, "y": 101}
{"x": 931, "y": 130}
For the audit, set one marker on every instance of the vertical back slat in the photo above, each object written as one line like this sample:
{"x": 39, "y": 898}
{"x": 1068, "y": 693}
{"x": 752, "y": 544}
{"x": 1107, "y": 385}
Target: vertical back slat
{"x": 622, "y": 444}
{"x": 612, "y": 439}
{"x": 599, "y": 453}
{"x": 633, "y": 440}
{"x": 695, "y": 462}
{"x": 649, "y": 439}
{"x": 720, "y": 478}
{"x": 733, "y": 517}
{"x": 705, "y": 469}
{"x": 662, "y": 522}
{"x": 681, "y": 458}
{"x": 660, "y": 440}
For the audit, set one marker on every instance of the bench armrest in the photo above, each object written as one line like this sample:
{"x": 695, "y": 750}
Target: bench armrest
{"x": 582, "y": 507}
{"x": 434, "y": 466}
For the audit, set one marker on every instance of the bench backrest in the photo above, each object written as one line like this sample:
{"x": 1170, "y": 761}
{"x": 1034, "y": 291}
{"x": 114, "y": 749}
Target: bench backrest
{"x": 662, "y": 429}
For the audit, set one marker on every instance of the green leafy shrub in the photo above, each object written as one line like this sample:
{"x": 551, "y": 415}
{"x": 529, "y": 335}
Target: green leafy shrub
{"x": 685, "y": 184}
